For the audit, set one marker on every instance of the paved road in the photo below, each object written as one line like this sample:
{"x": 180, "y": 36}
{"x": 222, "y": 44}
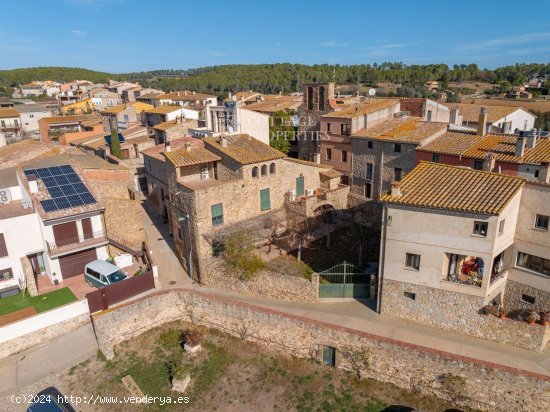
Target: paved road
{"x": 39, "y": 361}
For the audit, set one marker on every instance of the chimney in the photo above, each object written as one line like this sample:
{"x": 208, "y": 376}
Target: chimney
{"x": 544, "y": 172}
{"x": 317, "y": 158}
{"x": 187, "y": 147}
{"x": 482, "y": 122}
{"x": 167, "y": 146}
{"x": 520, "y": 146}
{"x": 532, "y": 139}
{"x": 453, "y": 118}
{"x": 229, "y": 95}
{"x": 193, "y": 92}
{"x": 489, "y": 162}
{"x": 33, "y": 184}
{"x": 177, "y": 93}
{"x": 396, "y": 189}
{"x": 223, "y": 141}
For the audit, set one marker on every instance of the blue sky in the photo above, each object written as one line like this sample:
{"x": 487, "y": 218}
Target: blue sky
{"x": 134, "y": 35}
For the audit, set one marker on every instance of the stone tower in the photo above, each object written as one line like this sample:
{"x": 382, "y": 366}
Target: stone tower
{"x": 314, "y": 104}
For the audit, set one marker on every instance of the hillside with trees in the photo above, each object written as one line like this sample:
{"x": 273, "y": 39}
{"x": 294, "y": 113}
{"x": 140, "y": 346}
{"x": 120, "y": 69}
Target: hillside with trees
{"x": 286, "y": 77}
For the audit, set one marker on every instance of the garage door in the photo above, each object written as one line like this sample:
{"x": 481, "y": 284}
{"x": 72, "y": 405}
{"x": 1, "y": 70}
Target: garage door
{"x": 73, "y": 264}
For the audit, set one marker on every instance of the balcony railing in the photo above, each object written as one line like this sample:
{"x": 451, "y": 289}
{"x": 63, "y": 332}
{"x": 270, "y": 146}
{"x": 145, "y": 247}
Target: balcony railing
{"x": 57, "y": 247}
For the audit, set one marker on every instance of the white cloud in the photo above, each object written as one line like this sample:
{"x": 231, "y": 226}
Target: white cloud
{"x": 78, "y": 33}
{"x": 524, "y": 38}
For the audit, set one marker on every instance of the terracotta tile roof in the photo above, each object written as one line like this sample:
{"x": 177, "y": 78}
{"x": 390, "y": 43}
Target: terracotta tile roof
{"x": 307, "y": 163}
{"x": 274, "y": 103}
{"x": 244, "y": 149}
{"x": 194, "y": 156}
{"x": 339, "y": 102}
{"x": 158, "y": 152}
{"x": 452, "y": 143}
{"x": 151, "y": 95}
{"x": 439, "y": 186}
{"x": 72, "y": 119}
{"x": 470, "y": 111}
{"x": 503, "y": 147}
{"x": 115, "y": 109}
{"x": 9, "y": 112}
{"x": 405, "y": 129}
{"x": 365, "y": 107}
{"x": 164, "y": 109}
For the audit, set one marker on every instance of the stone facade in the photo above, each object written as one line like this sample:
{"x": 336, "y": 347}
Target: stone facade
{"x": 309, "y": 114}
{"x": 459, "y": 312}
{"x": 267, "y": 284}
{"x": 196, "y": 198}
{"x": 513, "y": 297}
{"x": 488, "y": 386}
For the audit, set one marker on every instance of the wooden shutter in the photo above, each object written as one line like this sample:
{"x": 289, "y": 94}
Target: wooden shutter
{"x": 300, "y": 186}
{"x": 265, "y": 200}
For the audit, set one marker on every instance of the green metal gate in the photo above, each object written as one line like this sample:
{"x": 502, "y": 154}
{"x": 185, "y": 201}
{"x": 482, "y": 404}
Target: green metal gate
{"x": 344, "y": 281}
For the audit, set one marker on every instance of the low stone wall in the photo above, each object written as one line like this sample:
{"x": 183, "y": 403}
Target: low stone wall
{"x": 270, "y": 285}
{"x": 40, "y": 328}
{"x": 458, "y": 312}
{"x": 486, "y": 386}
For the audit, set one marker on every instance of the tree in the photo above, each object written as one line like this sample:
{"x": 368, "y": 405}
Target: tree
{"x": 281, "y": 131}
{"x": 115, "y": 144}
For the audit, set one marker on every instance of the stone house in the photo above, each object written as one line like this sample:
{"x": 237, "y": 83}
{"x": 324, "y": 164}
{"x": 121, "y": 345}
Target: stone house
{"x": 385, "y": 153}
{"x": 455, "y": 239}
{"x": 166, "y": 113}
{"x": 173, "y": 129}
{"x": 220, "y": 185}
{"x": 338, "y": 127}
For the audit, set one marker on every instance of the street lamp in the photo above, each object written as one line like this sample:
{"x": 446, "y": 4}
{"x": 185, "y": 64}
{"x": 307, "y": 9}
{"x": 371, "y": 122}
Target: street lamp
{"x": 189, "y": 263}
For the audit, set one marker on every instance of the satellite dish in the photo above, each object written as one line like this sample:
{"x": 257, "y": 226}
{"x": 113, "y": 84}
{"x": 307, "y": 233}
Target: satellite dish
{"x": 295, "y": 120}
{"x": 372, "y": 92}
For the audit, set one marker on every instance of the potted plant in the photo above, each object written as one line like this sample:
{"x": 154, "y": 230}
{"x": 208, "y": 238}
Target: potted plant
{"x": 545, "y": 319}
{"x": 502, "y": 313}
{"x": 180, "y": 377}
{"x": 532, "y": 317}
{"x": 192, "y": 339}
{"x": 490, "y": 310}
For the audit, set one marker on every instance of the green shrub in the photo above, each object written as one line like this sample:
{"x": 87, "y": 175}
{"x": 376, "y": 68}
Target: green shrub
{"x": 289, "y": 265}
{"x": 239, "y": 256}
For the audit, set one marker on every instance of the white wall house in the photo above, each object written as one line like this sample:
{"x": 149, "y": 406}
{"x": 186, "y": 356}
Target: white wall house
{"x": 229, "y": 119}
{"x": 30, "y": 115}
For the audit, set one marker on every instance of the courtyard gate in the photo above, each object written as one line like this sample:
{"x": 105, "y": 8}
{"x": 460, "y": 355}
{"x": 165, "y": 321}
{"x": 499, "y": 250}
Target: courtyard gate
{"x": 344, "y": 281}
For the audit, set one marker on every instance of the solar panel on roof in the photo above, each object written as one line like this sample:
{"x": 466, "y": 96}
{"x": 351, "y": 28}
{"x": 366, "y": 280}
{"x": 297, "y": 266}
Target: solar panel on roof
{"x": 87, "y": 198}
{"x": 48, "y": 205}
{"x": 64, "y": 186}
{"x": 75, "y": 200}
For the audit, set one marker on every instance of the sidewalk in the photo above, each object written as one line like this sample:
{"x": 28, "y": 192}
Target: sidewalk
{"x": 171, "y": 274}
{"x": 39, "y": 361}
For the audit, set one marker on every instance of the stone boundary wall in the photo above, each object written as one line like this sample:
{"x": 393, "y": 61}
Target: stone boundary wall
{"x": 459, "y": 312}
{"x": 40, "y": 328}
{"x": 488, "y": 386}
{"x": 270, "y": 285}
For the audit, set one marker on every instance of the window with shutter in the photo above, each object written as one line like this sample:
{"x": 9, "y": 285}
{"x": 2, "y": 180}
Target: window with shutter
{"x": 265, "y": 200}
{"x": 217, "y": 214}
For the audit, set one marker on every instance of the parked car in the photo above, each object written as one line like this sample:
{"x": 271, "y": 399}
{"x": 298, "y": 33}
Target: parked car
{"x": 100, "y": 274}
{"x": 50, "y": 400}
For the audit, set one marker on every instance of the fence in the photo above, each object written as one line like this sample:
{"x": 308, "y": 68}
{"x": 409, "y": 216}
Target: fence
{"x": 344, "y": 281}
{"x": 104, "y": 298}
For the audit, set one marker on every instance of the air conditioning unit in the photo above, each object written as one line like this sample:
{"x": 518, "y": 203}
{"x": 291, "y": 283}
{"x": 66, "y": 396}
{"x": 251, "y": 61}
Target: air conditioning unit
{"x": 204, "y": 173}
{"x": 5, "y": 196}
{"x": 292, "y": 195}
{"x": 309, "y": 192}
